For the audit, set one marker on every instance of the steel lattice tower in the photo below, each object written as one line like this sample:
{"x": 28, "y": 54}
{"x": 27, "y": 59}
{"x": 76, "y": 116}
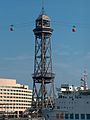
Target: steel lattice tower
{"x": 42, "y": 77}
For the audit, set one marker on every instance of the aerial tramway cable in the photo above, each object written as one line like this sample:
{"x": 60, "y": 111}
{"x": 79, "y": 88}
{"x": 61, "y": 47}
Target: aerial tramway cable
{"x": 71, "y": 26}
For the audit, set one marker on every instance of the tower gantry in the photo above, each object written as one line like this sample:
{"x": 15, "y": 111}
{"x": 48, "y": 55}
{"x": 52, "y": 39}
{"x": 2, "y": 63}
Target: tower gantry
{"x": 43, "y": 77}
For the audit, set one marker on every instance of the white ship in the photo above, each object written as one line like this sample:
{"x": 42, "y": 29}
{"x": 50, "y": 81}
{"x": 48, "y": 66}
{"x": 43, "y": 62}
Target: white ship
{"x": 72, "y": 103}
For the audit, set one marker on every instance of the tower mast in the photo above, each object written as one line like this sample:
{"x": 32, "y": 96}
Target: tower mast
{"x": 43, "y": 77}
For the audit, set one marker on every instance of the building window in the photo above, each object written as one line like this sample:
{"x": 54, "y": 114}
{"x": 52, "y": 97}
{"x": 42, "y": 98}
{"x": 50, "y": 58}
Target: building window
{"x": 71, "y": 116}
{"x": 82, "y": 116}
{"x": 76, "y": 116}
{"x": 66, "y": 116}
{"x": 88, "y": 116}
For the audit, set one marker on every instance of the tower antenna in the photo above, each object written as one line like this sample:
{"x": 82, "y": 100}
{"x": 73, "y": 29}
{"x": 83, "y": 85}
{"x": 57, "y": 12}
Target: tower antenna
{"x": 42, "y": 6}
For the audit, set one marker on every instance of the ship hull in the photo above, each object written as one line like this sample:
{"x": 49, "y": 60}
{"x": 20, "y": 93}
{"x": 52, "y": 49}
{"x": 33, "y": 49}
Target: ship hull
{"x": 52, "y": 114}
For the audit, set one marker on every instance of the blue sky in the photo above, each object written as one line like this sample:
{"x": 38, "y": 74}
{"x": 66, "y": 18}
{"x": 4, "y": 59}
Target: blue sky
{"x": 70, "y": 51}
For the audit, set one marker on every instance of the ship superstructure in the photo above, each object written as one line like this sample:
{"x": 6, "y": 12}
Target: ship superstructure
{"x": 72, "y": 103}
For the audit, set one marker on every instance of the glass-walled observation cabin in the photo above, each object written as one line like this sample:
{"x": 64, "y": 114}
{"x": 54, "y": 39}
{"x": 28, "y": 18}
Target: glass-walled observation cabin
{"x": 43, "y": 22}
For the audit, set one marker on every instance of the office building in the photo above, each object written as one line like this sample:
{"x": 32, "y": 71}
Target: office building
{"x": 14, "y": 98}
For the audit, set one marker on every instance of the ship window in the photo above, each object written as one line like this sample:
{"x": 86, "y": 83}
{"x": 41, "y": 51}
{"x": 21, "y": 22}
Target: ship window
{"x": 66, "y": 116}
{"x": 82, "y": 116}
{"x": 76, "y": 116}
{"x": 87, "y": 102}
{"x": 59, "y": 96}
{"x": 58, "y": 107}
{"x": 57, "y": 116}
{"x": 88, "y": 116}
{"x": 71, "y": 116}
{"x": 47, "y": 116}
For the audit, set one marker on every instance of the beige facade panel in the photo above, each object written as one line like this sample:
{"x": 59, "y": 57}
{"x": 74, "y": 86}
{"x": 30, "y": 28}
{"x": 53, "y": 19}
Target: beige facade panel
{"x": 6, "y": 82}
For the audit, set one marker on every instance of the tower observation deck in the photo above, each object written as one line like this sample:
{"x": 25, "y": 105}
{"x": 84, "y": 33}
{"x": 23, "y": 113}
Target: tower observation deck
{"x": 43, "y": 76}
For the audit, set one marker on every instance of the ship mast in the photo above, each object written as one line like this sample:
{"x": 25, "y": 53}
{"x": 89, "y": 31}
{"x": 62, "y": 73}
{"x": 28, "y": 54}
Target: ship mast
{"x": 84, "y": 80}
